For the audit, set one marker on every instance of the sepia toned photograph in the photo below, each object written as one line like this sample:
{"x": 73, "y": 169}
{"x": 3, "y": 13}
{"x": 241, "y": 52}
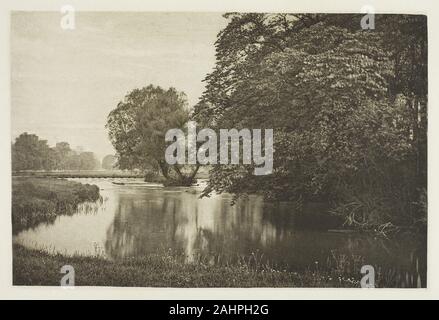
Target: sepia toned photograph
{"x": 218, "y": 149}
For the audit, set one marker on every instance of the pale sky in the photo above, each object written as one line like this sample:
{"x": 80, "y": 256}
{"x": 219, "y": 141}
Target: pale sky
{"x": 65, "y": 82}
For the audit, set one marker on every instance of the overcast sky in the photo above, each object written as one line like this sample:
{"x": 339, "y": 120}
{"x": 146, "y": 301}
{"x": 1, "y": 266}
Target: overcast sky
{"x": 65, "y": 82}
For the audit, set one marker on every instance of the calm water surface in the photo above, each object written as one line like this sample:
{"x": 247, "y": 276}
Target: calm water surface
{"x": 137, "y": 218}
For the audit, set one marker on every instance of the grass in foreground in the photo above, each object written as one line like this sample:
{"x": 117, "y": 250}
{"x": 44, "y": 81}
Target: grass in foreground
{"x": 35, "y": 267}
{"x": 37, "y": 200}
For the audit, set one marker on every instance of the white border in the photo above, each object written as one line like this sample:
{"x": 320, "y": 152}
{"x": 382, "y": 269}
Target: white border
{"x": 7, "y": 291}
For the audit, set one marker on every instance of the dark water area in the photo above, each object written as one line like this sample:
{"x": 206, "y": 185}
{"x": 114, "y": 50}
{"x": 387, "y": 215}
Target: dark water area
{"x": 138, "y": 218}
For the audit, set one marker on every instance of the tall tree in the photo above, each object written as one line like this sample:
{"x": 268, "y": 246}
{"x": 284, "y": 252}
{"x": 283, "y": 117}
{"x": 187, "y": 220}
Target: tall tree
{"x": 336, "y": 97}
{"x": 62, "y": 153}
{"x": 137, "y": 128}
{"x": 88, "y": 161}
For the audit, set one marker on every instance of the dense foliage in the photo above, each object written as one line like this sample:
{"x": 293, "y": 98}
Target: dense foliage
{"x": 109, "y": 162}
{"x": 31, "y": 153}
{"x": 348, "y": 108}
{"x": 41, "y": 200}
{"x": 137, "y": 129}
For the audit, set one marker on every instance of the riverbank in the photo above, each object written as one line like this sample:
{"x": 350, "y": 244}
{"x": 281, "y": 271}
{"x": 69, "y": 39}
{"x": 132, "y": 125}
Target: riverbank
{"x": 40, "y": 200}
{"x": 36, "y": 267}
{"x": 113, "y": 174}
{"x": 80, "y": 174}
{"x": 339, "y": 267}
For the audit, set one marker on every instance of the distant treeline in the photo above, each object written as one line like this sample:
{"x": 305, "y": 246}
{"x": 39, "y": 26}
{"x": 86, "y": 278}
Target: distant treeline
{"x": 29, "y": 152}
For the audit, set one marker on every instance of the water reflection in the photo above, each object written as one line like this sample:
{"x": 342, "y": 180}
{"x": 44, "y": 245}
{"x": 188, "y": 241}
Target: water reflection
{"x": 138, "y": 219}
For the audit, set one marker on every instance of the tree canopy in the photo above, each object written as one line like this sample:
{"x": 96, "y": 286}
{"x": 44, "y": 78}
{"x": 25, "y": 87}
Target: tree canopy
{"x": 29, "y": 152}
{"x": 348, "y": 107}
{"x": 138, "y": 125}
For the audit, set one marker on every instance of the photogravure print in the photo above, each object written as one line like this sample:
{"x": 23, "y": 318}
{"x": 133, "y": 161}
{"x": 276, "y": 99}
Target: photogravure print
{"x": 219, "y": 149}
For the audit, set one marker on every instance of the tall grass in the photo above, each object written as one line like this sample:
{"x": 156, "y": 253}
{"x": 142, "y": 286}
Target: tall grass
{"x": 386, "y": 201}
{"x": 162, "y": 269}
{"x": 38, "y": 200}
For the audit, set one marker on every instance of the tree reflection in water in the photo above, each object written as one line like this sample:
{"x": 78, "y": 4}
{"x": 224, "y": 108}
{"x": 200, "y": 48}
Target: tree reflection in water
{"x": 150, "y": 220}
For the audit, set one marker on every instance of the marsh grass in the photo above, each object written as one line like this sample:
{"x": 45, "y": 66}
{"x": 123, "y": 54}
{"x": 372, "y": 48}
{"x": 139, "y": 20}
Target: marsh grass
{"x": 172, "y": 268}
{"x": 161, "y": 269}
{"x": 80, "y": 174}
{"x": 41, "y": 200}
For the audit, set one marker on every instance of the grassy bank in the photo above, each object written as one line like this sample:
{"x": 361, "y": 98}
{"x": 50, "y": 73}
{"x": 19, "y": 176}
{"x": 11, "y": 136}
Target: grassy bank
{"x": 37, "y": 200}
{"x": 34, "y": 267}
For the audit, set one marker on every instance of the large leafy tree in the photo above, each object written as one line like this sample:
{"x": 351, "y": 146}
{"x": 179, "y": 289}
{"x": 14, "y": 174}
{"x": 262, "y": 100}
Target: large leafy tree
{"x": 109, "y": 162}
{"x": 31, "y": 153}
{"x": 348, "y": 106}
{"x": 138, "y": 125}
{"x": 62, "y": 153}
{"x": 88, "y": 161}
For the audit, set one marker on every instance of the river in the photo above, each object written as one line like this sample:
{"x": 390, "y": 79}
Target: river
{"x": 138, "y": 218}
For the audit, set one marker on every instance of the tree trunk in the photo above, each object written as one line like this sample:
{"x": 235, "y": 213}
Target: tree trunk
{"x": 164, "y": 169}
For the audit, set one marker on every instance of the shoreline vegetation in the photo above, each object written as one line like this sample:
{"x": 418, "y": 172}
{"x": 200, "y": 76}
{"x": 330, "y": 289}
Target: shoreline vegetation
{"x": 163, "y": 269}
{"x": 345, "y": 218}
{"x": 80, "y": 174}
{"x": 38, "y": 200}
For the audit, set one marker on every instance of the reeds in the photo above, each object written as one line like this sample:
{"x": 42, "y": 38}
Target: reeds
{"x": 38, "y": 200}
